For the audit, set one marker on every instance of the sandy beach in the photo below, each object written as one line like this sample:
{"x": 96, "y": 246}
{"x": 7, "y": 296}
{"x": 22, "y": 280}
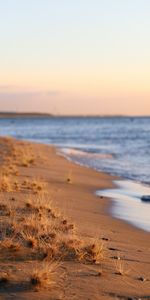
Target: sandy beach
{"x": 102, "y": 257}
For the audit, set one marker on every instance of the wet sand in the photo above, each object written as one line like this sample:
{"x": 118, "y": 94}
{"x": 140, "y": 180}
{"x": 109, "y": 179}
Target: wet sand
{"x": 128, "y": 204}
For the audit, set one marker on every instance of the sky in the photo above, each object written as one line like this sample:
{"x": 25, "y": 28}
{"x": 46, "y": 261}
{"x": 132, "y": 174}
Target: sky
{"x": 75, "y": 57}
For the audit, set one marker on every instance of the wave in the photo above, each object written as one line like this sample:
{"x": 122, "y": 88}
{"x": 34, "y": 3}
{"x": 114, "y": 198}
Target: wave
{"x": 128, "y": 205}
{"x": 74, "y": 153}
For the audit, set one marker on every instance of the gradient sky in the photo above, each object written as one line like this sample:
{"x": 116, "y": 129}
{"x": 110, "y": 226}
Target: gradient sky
{"x": 75, "y": 57}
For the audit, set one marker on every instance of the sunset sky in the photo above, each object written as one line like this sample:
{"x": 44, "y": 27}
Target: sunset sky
{"x": 75, "y": 57}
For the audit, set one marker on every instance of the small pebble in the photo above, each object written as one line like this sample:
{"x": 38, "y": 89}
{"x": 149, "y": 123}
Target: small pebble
{"x": 105, "y": 239}
{"x": 12, "y": 199}
{"x": 99, "y": 274}
{"x": 113, "y": 249}
{"x": 116, "y": 257}
{"x": 142, "y": 279}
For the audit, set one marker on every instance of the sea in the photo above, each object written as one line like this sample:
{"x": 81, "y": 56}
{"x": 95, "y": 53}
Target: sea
{"x": 116, "y": 145}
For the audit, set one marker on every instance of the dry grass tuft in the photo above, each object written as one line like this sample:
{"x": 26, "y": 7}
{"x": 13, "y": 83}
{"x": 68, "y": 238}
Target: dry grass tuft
{"x": 93, "y": 253}
{"x": 5, "y": 184}
{"x": 29, "y": 240}
{"x": 44, "y": 275}
{"x": 68, "y": 251}
{"x": 4, "y": 210}
{"x": 11, "y": 227}
{"x": 66, "y": 227}
{"x": 43, "y": 206}
{"x": 31, "y": 207}
{"x": 35, "y": 185}
{"x": 66, "y": 246}
{"x": 120, "y": 268}
{"x": 9, "y": 244}
{"x": 26, "y": 158}
{"x": 34, "y": 229}
{"x": 16, "y": 185}
{"x": 31, "y": 226}
{"x": 9, "y": 169}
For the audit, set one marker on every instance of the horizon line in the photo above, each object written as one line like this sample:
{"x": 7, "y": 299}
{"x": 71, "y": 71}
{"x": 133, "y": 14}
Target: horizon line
{"x": 42, "y": 114}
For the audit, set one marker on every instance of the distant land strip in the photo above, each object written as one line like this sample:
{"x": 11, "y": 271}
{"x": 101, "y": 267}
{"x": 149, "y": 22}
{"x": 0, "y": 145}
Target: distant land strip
{"x": 15, "y": 115}
{"x": 4, "y": 115}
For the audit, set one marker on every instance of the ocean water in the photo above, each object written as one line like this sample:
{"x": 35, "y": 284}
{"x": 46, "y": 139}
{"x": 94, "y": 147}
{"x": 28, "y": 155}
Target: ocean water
{"x": 116, "y": 145}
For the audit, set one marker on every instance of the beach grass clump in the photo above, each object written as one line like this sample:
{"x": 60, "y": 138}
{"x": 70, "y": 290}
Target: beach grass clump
{"x": 64, "y": 247}
{"x": 31, "y": 207}
{"x": 8, "y": 244}
{"x": 42, "y": 205}
{"x": 48, "y": 237}
{"x": 66, "y": 226}
{"x": 38, "y": 186}
{"x": 27, "y": 159}
{"x": 4, "y": 210}
{"x": 42, "y": 228}
{"x": 16, "y": 186}
{"x": 10, "y": 228}
{"x": 49, "y": 252}
{"x": 13, "y": 170}
{"x": 34, "y": 230}
{"x": 29, "y": 240}
{"x": 31, "y": 225}
{"x": 35, "y": 185}
{"x": 71, "y": 248}
{"x": 43, "y": 275}
{"x": 9, "y": 169}
{"x": 67, "y": 251}
{"x": 24, "y": 156}
{"x": 21, "y": 154}
{"x": 91, "y": 252}
{"x": 5, "y": 184}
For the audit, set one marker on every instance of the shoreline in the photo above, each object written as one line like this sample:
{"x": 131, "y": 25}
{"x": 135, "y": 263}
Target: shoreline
{"x": 135, "y": 167}
{"x": 127, "y": 204}
{"x": 63, "y": 153}
{"x": 114, "y": 210}
{"x": 121, "y": 241}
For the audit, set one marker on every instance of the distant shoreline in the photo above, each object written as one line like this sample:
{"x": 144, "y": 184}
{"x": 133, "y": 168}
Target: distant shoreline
{"x": 15, "y": 115}
{"x": 4, "y": 115}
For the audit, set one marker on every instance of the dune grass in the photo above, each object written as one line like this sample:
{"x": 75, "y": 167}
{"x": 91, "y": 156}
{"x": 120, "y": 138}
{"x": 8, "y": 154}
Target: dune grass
{"x": 44, "y": 275}
{"x": 34, "y": 229}
{"x": 5, "y": 184}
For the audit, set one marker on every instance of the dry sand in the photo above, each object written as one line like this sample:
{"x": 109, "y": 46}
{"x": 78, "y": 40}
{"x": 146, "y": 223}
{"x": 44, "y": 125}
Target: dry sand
{"x": 122, "y": 272}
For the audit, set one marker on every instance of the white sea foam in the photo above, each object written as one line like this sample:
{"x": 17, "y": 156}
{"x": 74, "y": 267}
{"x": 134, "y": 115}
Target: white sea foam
{"x": 79, "y": 153}
{"x": 128, "y": 204}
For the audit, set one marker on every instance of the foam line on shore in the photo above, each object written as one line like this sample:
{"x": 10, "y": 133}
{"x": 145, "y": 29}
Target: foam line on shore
{"x": 127, "y": 202}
